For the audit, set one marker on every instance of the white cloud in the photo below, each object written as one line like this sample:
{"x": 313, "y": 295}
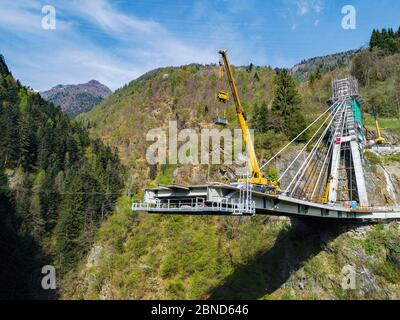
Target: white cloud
{"x": 69, "y": 54}
{"x": 109, "y": 19}
{"x": 304, "y": 7}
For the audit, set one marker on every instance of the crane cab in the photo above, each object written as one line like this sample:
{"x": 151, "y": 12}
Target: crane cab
{"x": 223, "y": 96}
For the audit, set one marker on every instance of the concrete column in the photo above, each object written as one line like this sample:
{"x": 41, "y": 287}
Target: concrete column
{"x": 334, "y": 173}
{"x": 359, "y": 173}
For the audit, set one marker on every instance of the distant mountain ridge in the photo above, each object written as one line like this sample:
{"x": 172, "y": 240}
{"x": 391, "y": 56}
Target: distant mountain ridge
{"x": 79, "y": 98}
{"x": 305, "y": 68}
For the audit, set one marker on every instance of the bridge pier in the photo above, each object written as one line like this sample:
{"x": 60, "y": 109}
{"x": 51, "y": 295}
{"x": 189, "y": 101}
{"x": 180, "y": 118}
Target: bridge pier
{"x": 359, "y": 174}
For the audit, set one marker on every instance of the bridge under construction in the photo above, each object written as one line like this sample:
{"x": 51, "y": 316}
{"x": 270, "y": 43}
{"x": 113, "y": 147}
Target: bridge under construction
{"x": 325, "y": 179}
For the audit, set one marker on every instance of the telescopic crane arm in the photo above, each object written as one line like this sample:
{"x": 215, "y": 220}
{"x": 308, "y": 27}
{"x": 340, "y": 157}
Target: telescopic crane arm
{"x": 257, "y": 177}
{"x": 380, "y": 139}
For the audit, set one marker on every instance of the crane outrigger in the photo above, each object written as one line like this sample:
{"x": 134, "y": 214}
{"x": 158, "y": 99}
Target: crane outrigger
{"x": 257, "y": 178}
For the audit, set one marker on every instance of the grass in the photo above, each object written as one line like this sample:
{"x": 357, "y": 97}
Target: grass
{"x": 384, "y": 123}
{"x": 373, "y": 159}
{"x": 393, "y": 158}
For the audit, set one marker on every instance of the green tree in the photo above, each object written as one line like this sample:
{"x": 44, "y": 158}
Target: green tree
{"x": 386, "y": 39}
{"x": 71, "y": 223}
{"x": 375, "y": 39}
{"x": 287, "y": 105}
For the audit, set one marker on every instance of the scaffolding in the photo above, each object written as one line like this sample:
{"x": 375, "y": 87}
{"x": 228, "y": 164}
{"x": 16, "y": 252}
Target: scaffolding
{"x": 344, "y": 88}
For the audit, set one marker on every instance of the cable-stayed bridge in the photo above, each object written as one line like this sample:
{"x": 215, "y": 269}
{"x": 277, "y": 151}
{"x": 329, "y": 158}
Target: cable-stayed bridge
{"x": 324, "y": 180}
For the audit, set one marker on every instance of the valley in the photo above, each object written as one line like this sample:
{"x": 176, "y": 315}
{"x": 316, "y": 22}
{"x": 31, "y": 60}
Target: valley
{"x": 67, "y": 188}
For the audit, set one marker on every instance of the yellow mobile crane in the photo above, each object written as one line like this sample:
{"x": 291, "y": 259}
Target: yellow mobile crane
{"x": 325, "y": 197}
{"x": 257, "y": 177}
{"x": 380, "y": 139}
{"x": 222, "y": 96}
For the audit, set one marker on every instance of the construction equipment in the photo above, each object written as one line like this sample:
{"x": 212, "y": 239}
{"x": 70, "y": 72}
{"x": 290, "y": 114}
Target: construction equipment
{"x": 222, "y": 96}
{"x": 380, "y": 139}
{"x": 325, "y": 197}
{"x": 257, "y": 177}
{"x": 221, "y": 121}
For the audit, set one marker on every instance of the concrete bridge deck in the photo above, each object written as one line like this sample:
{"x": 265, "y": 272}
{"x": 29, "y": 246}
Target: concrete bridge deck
{"x": 221, "y": 199}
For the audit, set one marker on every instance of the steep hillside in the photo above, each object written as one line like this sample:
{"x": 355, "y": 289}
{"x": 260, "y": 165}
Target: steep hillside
{"x": 56, "y": 186}
{"x": 153, "y": 257}
{"x": 379, "y": 77}
{"x": 186, "y": 95}
{"x": 78, "y": 98}
{"x": 139, "y": 256}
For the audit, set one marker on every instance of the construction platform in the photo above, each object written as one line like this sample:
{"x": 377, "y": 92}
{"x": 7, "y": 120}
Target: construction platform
{"x": 228, "y": 200}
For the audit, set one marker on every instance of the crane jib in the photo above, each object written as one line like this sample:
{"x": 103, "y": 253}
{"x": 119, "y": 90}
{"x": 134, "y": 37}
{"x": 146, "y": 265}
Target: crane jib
{"x": 254, "y": 169}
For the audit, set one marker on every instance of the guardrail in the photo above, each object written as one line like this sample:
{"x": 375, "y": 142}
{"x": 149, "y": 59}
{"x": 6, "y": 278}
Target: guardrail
{"x": 198, "y": 205}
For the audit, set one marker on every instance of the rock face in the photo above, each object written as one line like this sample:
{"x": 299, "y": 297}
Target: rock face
{"x": 79, "y": 98}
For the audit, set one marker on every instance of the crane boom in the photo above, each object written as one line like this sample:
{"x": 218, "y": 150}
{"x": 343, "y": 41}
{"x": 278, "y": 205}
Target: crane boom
{"x": 257, "y": 176}
{"x": 380, "y": 139}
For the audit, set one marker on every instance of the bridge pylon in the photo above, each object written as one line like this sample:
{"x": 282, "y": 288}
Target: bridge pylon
{"x": 347, "y": 181}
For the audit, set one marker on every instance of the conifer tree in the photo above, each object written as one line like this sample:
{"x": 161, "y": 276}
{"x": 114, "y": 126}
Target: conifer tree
{"x": 287, "y": 105}
{"x": 72, "y": 218}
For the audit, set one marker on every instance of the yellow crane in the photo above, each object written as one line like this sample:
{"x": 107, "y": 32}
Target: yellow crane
{"x": 222, "y": 96}
{"x": 325, "y": 197}
{"x": 257, "y": 177}
{"x": 380, "y": 139}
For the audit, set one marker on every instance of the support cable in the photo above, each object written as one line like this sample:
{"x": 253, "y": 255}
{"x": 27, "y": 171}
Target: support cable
{"x": 307, "y": 162}
{"x": 312, "y": 173}
{"x": 312, "y": 138}
{"x": 322, "y": 168}
{"x": 343, "y": 118}
{"x": 298, "y": 136}
{"x": 326, "y": 158}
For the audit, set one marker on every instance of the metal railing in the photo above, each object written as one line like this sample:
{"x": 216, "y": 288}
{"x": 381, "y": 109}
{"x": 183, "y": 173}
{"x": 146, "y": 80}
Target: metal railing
{"x": 170, "y": 204}
{"x": 233, "y": 206}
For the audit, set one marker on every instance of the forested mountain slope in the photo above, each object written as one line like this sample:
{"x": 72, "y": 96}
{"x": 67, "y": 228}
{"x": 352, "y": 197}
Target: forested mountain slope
{"x": 306, "y": 68}
{"x": 170, "y": 257}
{"x": 56, "y": 185}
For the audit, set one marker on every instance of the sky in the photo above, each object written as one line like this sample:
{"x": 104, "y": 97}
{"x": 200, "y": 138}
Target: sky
{"x": 116, "y": 41}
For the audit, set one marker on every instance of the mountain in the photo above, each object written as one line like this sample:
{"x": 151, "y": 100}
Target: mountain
{"x": 142, "y": 256}
{"x": 75, "y": 99}
{"x": 62, "y": 200}
{"x": 56, "y": 186}
{"x": 305, "y": 68}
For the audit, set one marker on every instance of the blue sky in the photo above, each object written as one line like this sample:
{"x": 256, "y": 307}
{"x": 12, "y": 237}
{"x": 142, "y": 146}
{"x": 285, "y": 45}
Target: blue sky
{"x": 117, "y": 41}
